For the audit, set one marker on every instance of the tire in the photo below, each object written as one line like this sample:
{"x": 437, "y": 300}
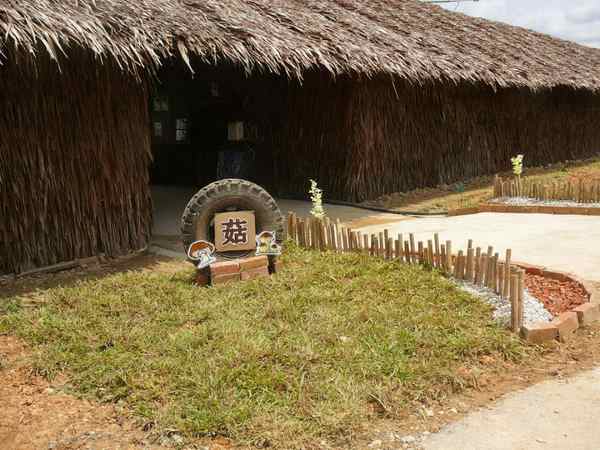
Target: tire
{"x": 225, "y": 195}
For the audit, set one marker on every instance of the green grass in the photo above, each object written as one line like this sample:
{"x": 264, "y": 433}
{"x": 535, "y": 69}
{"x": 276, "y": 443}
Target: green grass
{"x": 479, "y": 190}
{"x": 315, "y": 352}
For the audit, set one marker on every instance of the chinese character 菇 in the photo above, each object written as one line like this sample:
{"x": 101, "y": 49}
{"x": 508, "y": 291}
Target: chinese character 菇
{"x": 235, "y": 232}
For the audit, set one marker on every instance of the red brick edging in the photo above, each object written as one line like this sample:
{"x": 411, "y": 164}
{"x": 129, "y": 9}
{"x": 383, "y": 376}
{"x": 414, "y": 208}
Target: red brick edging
{"x": 564, "y": 326}
{"x": 530, "y": 209}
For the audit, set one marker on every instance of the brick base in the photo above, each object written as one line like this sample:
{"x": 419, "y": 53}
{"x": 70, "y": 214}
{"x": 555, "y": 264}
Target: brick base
{"x": 237, "y": 270}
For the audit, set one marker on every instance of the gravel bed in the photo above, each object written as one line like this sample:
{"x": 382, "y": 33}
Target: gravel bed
{"x": 534, "y": 310}
{"x": 527, "y": 201}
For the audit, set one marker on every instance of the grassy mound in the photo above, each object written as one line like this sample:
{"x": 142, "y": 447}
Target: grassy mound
{"x": 316, "y": 351}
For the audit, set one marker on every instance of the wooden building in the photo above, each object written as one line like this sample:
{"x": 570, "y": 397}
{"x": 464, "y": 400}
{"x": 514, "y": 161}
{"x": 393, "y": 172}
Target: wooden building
{"x": 101, "y": 98}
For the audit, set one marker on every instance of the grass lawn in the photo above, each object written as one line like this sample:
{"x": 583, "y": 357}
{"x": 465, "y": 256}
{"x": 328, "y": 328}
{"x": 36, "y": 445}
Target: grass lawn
{"x": 479, "y": 190}
{"x": 315, "y": 352}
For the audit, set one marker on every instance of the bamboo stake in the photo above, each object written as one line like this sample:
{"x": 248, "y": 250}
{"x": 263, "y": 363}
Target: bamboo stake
{"x": 514, "y": 301}
{"x": 436, "y": 239}
{"x": 477, "y": 279}
{"x": 469, "y": 274}
{"x": 407, "y": 252}
{"x": 507, "y": 272}
{"x": 401, "y": 253}
{"x": 430, "y": 256}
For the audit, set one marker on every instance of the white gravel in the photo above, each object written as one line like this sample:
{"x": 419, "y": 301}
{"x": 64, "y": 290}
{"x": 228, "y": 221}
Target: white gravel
{"x": 534, "y": 310}
{"x": 527, "y": 201}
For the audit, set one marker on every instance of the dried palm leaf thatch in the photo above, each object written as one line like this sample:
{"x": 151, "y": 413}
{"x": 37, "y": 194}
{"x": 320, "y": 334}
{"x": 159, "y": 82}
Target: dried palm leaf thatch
{"x": 411, "y": 39}
{"x": 364, "y": 138}
{"x": 74, "y": 158}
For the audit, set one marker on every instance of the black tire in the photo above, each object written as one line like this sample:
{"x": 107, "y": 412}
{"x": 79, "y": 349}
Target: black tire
{"x": 225, "y": 195}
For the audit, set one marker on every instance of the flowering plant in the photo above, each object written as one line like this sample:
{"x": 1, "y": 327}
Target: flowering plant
{"x": 517, "y": 163}
{"x": 316, "y": 196}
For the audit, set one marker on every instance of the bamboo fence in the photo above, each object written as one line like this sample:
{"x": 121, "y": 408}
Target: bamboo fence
{"x": 476, "y": 265}
{"x": 580, "y": 191}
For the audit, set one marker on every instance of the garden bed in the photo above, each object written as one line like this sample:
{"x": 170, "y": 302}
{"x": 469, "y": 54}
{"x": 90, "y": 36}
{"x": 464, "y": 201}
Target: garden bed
{"x": 316, "y": 352}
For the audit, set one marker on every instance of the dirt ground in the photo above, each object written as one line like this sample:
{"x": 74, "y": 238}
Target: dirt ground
{"x": 38, "y": 414}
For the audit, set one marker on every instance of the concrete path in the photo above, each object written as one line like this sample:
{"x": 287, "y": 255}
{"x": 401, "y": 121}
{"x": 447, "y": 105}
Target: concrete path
{"x": 553, "y": 415}
{"x": 170, "y": 201}
{"x": 566, "y": 243}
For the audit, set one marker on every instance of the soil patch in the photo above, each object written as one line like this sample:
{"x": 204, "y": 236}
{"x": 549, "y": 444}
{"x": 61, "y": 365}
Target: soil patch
{"x": 37, "y": 414}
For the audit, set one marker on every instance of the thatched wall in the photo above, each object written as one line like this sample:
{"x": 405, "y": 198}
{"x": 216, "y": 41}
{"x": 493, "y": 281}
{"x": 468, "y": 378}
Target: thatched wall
{"x": 74, "y": 154}
{"x": 368, "y": 138}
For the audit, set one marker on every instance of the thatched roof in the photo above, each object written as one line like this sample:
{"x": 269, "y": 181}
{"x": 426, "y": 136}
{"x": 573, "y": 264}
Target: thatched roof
{"x": 414, "y": 40}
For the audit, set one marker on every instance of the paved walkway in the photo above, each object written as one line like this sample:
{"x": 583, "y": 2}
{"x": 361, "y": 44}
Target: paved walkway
{"x": 553, "y": 415}
{"x": 170, "y": 201}
{"x": 566, "y": 243}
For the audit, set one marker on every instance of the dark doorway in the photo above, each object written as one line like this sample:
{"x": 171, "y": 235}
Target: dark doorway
{"x": 202, "y": 126}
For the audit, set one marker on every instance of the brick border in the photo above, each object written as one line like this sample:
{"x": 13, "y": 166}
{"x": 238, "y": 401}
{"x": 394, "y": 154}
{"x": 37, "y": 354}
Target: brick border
{"x": 526, "y": 209}
{"x": 243, "y": 269}
{"x": 564, "y": 326}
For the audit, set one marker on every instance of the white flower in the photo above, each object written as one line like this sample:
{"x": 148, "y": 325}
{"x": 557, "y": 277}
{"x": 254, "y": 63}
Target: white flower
{"x": 316, "y": 196}
{"x": 517, "y": 163}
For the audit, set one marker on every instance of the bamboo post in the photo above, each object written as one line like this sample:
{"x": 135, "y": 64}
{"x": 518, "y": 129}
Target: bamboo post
{"x": 507, "y": 272}
{"x": 521, "y": 294}
{"x": 477, "y": 278}
{"x": 407, "y": 252}
{"x": 448, "y": 257}
{"x": 436, "y": 240}
{"x": 488, "y": 274}
{"x": 401, "y": 240}
{"x": 470, "y": 255}
{"x": 483, "y": 265}
{"x": 365, "y": 248}
{"x": 430, "y": 254}
{"x": 494, "y": 274}
{"x": 301, "y": 233}
{"x": 374, "y": 246}
{"x": 499, "y": 279}
{"x": 413, "y": 250}
{"x": 442, "y": 260}
{"x": 420, "y": 253}
{"x": 389, "y": 254}
{"x": 514, "y": 302}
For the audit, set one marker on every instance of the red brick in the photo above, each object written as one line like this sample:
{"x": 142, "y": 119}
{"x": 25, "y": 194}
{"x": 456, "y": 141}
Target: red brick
{"x": 587, "y": 313}
{"x": 251, "y": 274}
{"x": 567, "y": 323}
{"x": 202, "y": 278}
{"x": 226, "y": 278}
{"x": 224, "y": 268}
{"x": 254, "y": 262}
{"x": 539, "y": 332}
